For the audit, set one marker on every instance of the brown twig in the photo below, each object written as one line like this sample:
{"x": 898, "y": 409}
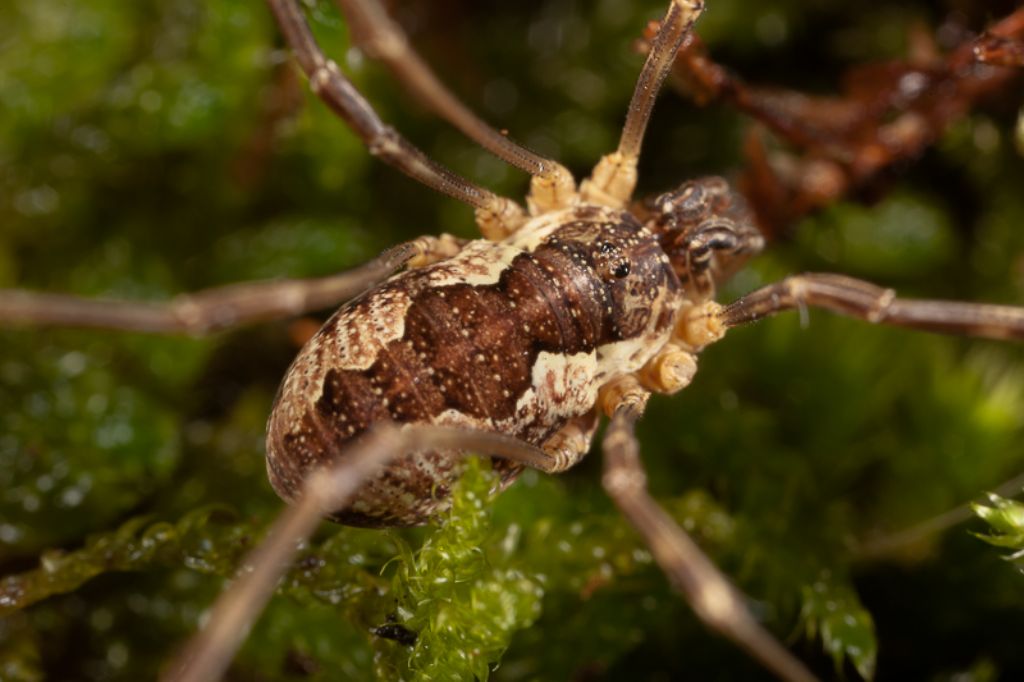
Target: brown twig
{"x": 886, "y": 114}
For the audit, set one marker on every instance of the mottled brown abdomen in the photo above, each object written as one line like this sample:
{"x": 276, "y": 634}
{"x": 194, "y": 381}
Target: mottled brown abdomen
{"x": 497, "y": 338}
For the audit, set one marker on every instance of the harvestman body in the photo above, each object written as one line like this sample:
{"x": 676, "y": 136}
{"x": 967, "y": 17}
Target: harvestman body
{"x": 511, "y": 346}
{"x": 517, "y": 337}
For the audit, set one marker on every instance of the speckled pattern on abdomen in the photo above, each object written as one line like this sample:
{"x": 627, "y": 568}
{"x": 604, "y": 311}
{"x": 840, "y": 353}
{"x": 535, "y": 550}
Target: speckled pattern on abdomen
{"x": 507, "y": 345}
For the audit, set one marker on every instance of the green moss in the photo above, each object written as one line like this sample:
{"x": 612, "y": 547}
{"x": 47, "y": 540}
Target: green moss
{"x": 833, "y": 612}
{"x": 19, "y": 652}
{"x": 463, "y": 603}
{"x": 902, "y": 237}
{"x": 114, "y": 446}
{"x": 159, "y": 148}
{"x": 1006, "y": 519}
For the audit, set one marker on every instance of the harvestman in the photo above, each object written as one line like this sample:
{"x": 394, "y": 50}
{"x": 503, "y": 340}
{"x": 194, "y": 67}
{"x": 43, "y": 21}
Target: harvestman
{"x": 722, "y": 238}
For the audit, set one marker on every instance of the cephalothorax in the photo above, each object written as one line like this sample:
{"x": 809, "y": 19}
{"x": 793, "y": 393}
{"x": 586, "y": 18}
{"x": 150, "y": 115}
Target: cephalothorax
{"x": 580, "y": 304}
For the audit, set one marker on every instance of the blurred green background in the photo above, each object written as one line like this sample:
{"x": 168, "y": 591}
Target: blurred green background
{"x": 153, "y": 148}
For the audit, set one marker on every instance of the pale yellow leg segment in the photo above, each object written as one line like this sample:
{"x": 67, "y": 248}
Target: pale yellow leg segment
{"x": 434, "y": 249}
{"x": 621, "y": 392}
{"x": 499, "y": 218}
{"x": 551, "y": 191}
{"x": 699, "y": 326}
{"x": 670, "y": 371}
{"x": 614, "y": 178}
{"x": 570, "y": 443}
{"x": 612, "y": 182}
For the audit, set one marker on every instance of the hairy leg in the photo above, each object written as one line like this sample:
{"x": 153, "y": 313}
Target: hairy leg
{"x": 709, "y": 593}
{"x": 497, "y": 216}
{"x": 872, "y": 303}
{"x": 552, "y": 186}
{"x": 213, "y": 310}
{"x": 613, "y": 179}
{"x": 208, "y": 654}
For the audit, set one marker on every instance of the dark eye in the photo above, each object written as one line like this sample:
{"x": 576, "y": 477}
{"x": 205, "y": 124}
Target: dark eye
{"x": 621, "y": 270}
{"x": 606, "y": 247}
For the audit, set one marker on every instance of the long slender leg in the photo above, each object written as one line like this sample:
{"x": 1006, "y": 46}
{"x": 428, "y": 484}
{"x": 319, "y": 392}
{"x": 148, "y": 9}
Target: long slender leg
{"x": 613, "y": 179}
{"x": 210, "y": 651}
{"x": 712, "y": 597}
{"x": 497, "y": 216}
{"x": 216, "y": 309}
{"x": 866, "y": 301}
{"x": 552, "y": 186}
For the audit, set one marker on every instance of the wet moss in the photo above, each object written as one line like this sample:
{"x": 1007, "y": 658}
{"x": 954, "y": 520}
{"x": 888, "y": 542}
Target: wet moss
{"x": 159, "y": 148}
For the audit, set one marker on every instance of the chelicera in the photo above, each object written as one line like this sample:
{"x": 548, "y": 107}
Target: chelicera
{"x": 580, "y": 306}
